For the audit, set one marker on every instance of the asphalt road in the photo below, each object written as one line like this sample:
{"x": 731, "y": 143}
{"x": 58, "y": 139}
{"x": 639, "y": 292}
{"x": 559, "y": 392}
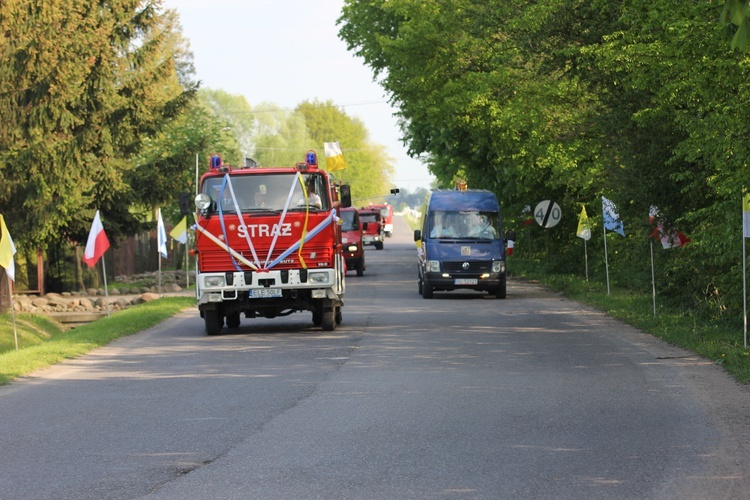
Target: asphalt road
{"x": 460, "y": 396}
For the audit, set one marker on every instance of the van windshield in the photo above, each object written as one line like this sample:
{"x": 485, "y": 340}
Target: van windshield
{"x": 464, "y": 225}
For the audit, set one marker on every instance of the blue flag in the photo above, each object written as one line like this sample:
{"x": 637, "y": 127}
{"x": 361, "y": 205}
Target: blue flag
{"x": 611, "y": 219}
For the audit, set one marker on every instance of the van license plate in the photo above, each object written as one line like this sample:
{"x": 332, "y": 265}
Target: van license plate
{"x": 465, "y": 281}
{"x": 262, "y": 293}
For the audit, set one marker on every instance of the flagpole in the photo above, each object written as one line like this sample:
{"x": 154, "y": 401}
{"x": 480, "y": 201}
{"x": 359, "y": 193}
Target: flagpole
{"x": 606, "y": 257}
{"x": 586, "y": 257}
{"x": 744, "y": 291}
{"x": 106, "y": 291}
{"x": 12, "y": 311}
{"x": 653, "y": 278}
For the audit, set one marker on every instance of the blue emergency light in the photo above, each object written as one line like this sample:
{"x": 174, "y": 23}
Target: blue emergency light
{"x": 215, "y": 162}
{"x": 312, "y": 158}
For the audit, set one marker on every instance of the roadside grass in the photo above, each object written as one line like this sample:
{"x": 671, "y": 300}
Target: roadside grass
{"x": 43, "y": 342}
{"x": 721, "y": 342}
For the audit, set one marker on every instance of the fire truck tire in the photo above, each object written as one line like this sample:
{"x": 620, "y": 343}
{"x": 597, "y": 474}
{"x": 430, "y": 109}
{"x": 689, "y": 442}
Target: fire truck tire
{"x": 317, "y": 318}
{"x": 233, "y": 320}
{"x": 214, "y": 322}
{"x": 328, "y": 320}
{"x": 339, "y": 318}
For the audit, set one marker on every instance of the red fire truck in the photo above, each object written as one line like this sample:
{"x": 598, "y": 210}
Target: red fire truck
{"x": 268, "y": 243}
{"x": 351, "y": 237}
{"x": 386, "y": 212}
{"x": 372, "y": 227}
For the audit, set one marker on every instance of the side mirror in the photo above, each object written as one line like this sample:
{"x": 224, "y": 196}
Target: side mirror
{"x": 510, "y": 235}
{"x": 345, "y": 193}
{"x": 417, "y": 235}
{"x": 184, "y": 200}
{"x": 395, "y": 191}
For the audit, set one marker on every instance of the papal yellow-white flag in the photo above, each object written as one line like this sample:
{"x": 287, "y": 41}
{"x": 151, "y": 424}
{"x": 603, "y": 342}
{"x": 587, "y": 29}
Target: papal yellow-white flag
{"x": 584, "y": 228}
{"x": 334, "y": 156}
{"x": 7, "y": 250}
{"x": 179, "y": 232}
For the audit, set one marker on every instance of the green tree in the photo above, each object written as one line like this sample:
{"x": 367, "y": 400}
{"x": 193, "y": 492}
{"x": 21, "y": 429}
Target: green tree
{"x": 82, "y": 84}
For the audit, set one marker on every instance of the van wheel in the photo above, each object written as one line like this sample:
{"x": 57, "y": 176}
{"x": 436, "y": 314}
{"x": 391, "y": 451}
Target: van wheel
{"x": 379, "y": 245}
{"x": 214, "y": 321}
{"x": 500, "y": 292}
{"x": 419, "y": 281}
{"x": 426, "y": 291}
{"x": 361, "y": 267}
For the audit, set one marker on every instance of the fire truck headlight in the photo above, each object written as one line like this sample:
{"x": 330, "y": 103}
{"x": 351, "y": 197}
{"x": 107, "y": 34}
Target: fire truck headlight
{"x": 202, "y": 201}
{"x": 498, "y": 266}
{"x": 433, "y": 266}
{"x": 213, "y": 281}
{"x": 318, "y": 278}
{"x": 352, "y": 248}
{"x": 319, "y": 294}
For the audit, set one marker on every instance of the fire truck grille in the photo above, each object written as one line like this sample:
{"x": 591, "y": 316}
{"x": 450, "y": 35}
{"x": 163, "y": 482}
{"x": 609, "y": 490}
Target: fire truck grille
{"x": 215, "y": 261}
{"x": 472, "y": 266}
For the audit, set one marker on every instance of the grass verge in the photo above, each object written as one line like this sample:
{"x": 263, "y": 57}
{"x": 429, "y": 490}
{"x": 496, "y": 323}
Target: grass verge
{"x": 721, "y": 342}
{"x": 43, "y": 342}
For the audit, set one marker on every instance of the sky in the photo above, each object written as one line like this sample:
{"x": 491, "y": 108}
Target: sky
{"x": 286, "y": 52}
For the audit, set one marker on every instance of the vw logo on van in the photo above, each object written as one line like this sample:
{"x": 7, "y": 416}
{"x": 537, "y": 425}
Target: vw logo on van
{"x": 466, "y": 266}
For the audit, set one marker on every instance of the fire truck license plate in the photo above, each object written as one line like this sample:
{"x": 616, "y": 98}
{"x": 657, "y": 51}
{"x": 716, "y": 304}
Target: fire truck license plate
{"x": 262, "y": 293}
{"x": 465, "y": 281}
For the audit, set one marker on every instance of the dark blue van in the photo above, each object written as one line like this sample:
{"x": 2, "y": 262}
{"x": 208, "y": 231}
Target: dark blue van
{"x": 461, "y": 243}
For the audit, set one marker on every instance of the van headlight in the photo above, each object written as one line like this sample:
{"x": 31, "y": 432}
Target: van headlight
{"x": 318, "y": 278}
{"x": 213, "y": 281}
{"x": 352, "y": 248}
{"x": 433, "y": 266}
{"x": 498, "y": 266}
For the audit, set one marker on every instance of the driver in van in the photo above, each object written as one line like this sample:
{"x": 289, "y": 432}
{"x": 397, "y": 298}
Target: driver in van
{"x": 446, "y": 227}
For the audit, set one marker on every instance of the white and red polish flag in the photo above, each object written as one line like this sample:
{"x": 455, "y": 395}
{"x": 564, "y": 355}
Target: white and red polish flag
{"x": 97, "y": 244}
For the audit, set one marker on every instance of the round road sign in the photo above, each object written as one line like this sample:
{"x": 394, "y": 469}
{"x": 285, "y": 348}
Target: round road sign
{"x": 547, "y": 213}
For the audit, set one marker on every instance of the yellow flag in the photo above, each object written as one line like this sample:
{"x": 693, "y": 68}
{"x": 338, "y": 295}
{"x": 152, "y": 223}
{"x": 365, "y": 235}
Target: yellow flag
{"x": 179, "y": 232}
{"x": 584, "y": 229}
{"x": 746, "y": 216}
{"x": 7, "y": 250}
{"x": 334, "y": 157}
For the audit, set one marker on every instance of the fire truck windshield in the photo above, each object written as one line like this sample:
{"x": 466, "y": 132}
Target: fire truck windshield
{"x": 268, "y": 192}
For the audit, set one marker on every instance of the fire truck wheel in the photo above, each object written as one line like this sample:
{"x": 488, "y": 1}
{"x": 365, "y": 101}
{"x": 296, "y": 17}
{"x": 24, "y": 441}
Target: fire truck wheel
{"x": 214, "y": 322}
{"x": 338, "y": 316}
{"x": 328, "y": 322}
{"x": 233, "y": 320}
{"x": 317, "y": 318}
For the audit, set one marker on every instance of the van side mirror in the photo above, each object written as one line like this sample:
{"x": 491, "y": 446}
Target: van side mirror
{"x": 510, "y": 235}
{"x": 345, "y": 193}
{"x": 417, "y": 235}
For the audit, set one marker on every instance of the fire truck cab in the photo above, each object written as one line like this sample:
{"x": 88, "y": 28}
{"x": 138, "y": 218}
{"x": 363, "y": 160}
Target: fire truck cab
{"x": 386, "y": 213}
{"x": 351, "y": 238}
{"x": 372, "y": 227}
{"x": 268, "y": 243}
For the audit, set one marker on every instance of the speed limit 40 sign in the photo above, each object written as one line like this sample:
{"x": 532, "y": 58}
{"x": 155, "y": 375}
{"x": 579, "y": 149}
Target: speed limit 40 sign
{"x": 547, "y": 213}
